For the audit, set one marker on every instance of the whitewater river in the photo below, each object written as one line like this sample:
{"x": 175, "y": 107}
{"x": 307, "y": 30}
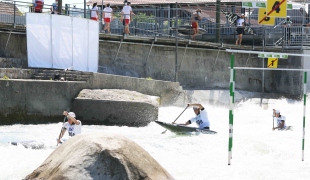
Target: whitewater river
{"x": 258, "y": 152}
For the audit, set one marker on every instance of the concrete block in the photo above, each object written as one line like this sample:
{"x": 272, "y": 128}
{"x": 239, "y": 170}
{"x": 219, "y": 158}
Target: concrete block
{"x": 115, "y": 107}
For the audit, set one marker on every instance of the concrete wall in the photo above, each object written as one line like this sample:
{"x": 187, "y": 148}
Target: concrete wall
{"x": 198, "y": 68}
{"x": 42, "y": 101}
{"x": 14, "y": 46}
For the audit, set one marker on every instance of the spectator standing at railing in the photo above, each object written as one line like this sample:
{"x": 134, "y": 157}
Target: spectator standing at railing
{"x": 107, "y": 17}
{"x": 287, "y": 29}
{"x": 38, "y": 6}
{"x": 94, "y": 12}
{"x": 126, "y": 16}
{"x": 54, "y": 7}
{"x": 195, "y": 26}
{"x": 306, "y": 21}
{"x": 240, "y": 29}
{"x": 305, "y": 16}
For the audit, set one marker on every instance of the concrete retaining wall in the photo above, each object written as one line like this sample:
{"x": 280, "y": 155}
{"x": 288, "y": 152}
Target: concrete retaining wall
{"x": 38, "y": 101}
{"x": 14, "y": 46}
{"x": 198, "y": 68}
{"x": 42, "y": 101}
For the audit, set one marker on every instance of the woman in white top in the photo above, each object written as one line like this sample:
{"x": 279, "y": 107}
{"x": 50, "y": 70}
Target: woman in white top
{"x": 94, "y": 12}
{"x": 125, "y": 17}
{"x": 107, "y": 17}
{"x": 240, "y": 29}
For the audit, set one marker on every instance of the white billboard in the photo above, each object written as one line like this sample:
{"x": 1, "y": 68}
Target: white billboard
{"x": 61, "y": 42}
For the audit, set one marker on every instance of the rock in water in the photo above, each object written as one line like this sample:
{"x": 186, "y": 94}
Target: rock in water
{"x": 100, "y": 156}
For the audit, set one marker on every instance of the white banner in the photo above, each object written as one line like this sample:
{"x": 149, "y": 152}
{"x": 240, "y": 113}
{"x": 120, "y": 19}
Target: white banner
{"x": 61, "y": 42}
{"x": 80, "y": 44}
{"x": 262, "y": 4}
{"x": 93, "y": 47}
{"x": 38, "y": 28}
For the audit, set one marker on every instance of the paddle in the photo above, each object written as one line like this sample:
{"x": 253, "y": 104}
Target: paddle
{"x": 177, "y": 118}
{"x": 61, "y": 129}
{"x": 273, "y": 113}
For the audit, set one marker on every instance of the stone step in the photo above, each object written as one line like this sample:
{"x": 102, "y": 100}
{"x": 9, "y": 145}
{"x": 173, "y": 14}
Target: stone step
{"x": 49, "y": 74}
{"x": 37, "y": 77}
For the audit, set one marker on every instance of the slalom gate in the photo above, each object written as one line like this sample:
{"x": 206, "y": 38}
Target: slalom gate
{"x": 232, "y": 91}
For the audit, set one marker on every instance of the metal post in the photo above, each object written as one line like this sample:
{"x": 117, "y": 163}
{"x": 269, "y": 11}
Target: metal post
{"x": 231, "y": 106}
{"x": 264, "y": 34}
{"x": 263, "y": 78}
{"x": 59, "y": 6}
{"x": 217, "y": 19}
{"x": 169, "y": 20}
{"x": 84, "y": 8}
{"x": 176, "y": 43}
{"x": 304, "y": 117}
{"x": 14, "y": 14}
{"x": 101, "y": 21}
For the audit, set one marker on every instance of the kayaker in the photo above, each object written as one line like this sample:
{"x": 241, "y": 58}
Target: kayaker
{"x": 201, "y": 118}
{"x": 280, "y": 120}
{"x": 72, "y": 125}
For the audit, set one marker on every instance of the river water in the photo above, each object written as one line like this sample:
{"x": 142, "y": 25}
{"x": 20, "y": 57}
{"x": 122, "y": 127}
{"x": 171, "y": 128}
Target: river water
{"x": 258, "y": 152}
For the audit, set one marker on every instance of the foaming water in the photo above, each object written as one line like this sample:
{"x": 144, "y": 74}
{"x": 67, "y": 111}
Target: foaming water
{"x": 258, "y": 152}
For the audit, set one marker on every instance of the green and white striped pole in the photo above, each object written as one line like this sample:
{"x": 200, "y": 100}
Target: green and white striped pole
{"x": 231, "y": 106}
{"x": 304, "y": 118}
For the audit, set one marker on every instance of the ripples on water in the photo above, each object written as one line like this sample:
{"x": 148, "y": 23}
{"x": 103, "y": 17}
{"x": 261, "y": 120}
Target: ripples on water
{"x": 258, "y": 152}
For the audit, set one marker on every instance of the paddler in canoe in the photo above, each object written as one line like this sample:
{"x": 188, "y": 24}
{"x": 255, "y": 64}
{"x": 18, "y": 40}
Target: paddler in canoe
{"x": 201, "y": 118}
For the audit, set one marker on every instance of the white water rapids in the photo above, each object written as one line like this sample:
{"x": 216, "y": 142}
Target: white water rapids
{"x": 258, "y": 152}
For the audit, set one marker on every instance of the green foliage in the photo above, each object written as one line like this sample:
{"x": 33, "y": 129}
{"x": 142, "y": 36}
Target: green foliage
{"x": 142, "y": 17}
{"x": 5, "y": 78}
{"x": 148, "y": 78}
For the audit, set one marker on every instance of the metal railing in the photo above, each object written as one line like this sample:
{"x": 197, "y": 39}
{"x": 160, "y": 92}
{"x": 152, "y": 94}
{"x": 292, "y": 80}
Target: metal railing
{"x": 163, "y": 22}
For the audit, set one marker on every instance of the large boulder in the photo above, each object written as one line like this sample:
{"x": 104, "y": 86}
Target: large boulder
{"x": 100, "y": 156}
{"x": 116, "y": 107}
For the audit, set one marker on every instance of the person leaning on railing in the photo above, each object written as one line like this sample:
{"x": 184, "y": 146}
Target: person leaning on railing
{"x": 287, "y": 29}
{"x": 38, "y": 5}
{"x": 195, "y": 18}
{"x": 54, "y": 7}
{"x": 307, "y": 20}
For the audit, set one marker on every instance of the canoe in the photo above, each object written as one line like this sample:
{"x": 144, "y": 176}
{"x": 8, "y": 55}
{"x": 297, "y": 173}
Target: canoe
{"x": 183, "y": 129}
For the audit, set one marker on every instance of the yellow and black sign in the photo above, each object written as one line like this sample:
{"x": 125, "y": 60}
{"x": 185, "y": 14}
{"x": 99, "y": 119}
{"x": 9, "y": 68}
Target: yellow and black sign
{"x": 272, "y": 63}
{"x": 276, "y": 8}
{"x": 266, "y": 20}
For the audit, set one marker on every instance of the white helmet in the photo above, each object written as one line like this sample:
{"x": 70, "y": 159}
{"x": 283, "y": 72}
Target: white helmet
{"x": 277, "y": 111}
{"x": 72, "y": 114}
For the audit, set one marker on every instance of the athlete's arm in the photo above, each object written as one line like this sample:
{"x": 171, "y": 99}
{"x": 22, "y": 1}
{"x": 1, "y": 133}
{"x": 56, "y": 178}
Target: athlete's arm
{"x": 61, "y": 134}
{"x": 198, "y": 105}
{"x": 71, "y": 118}
{"x": 185, "y": 124}
{"x": 281, "y": 125}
